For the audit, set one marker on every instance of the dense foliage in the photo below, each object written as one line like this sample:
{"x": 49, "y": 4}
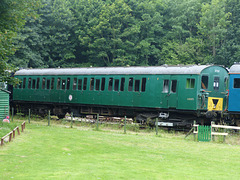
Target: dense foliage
{"x": 77, "y": 33}
{"x": 13, "y": 15}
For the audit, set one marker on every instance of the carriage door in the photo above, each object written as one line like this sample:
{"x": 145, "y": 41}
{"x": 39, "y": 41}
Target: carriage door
{"x": 169, "y": 92}
{"x": 173, "y": 93}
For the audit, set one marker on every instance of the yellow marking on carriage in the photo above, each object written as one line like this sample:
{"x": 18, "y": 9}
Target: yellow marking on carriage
{"x": 215, "y": 104}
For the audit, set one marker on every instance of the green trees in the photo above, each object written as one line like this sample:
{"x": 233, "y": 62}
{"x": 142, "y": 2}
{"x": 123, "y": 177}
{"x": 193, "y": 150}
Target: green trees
{"x": 75, "y": 33}
{"x": 213, "y": 27}
{"x": 12, "y": 18}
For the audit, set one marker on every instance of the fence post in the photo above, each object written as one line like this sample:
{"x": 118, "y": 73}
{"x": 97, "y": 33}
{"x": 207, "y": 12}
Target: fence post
{"x": 48, "y": 117}
{"x": 194, "y": 134}
{"x": 18, "y": 130}
{"x": 12, "y": 113}
{"x": 23, "y": 126}
{"x": 71, "y": 119}
{"x": 125, "y": 119}
{"x": 29, "y": 115}
{"x": 156, "y": 124}
{"x": 97, "y": 121}
{"x": 10, "y": 136}
{"x": 14, "y": 133}
{"x": 212, "y": 136}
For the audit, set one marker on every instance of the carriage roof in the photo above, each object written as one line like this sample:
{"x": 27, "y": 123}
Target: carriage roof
{"x": 192, "y": 69}
{"x": 235, "y": 69}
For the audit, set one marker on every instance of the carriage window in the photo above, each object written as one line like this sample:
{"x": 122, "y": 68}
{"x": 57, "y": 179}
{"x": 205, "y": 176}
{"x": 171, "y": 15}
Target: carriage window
{"x": 52, "y": 83}
{"x": 24, "y": 83}
{"x": 130, "y": 84}
{"x": 190, "y": 83}
{"x": 137, "y": 85}
{"x": 33, "y": 83}
{"x": 110, "y": 84}
{"x": 68, "y": 83}
{"x": 97, "y": 84}
{"x": 143, "y": 88}
{"x": 91, "y": 84}
{"x": 63, "y": 84}
{"x": 29, "y": 83}
{"x": 38, "y": 82}
{"x": 43, "y": 83}
{"x": 20, "y": 84}
{"x": 122, "y": 84}
{"x": 165, "y": 86}
{"x": 84, "y": 83}
{"x": 236, "y": 83}
{"x": 48, "y": 83}
{"x": 216, "y": 83}
{"x": 58, "y": 83}
{"x": 116, "y": 85}
{"x": 103, "y": 84}
{"x": 204, "y": 83}
{"x": 74, "y": 83}
{"x": 80, "y": 84}
{"x": 174, "y": 86}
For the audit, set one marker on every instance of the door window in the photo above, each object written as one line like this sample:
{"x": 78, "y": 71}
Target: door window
{"x": 174, "y": 86}
{"x": 165, "y": 86}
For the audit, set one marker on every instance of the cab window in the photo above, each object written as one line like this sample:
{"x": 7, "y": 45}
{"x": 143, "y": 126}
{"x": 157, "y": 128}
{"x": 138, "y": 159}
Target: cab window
{"x": 216, "y": 83}
{"x": 236, "y": 83}
{"x": 204, "y": 82}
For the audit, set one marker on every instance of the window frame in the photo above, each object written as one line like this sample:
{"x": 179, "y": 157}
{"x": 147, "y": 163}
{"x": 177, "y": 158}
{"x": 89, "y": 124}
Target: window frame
{"x": 59, "y": 83}
{"x": 24, "y": 83}
{"x": 116, "y": 85}
{"x": 43, "y": 83}
{"x": 173, "y": 86}
{"x": 74, "y": 87}
{"x": 38, "y": 83}
{"x": 110, "y": 84}
{"x": 130, "y": 84}
{"x": 97, "y": 84}
{"x": 202, "y": 83}
{"x": 143, "y": 84}
{"x": 85, "y": 84}
{"x": 103, "y": 84}
{"x": 79, "y": 84}
{"x": 165, "y": 88}
{"x": 29, "y": 83}
{"x": 216, "y": 83}
{"x": 33, "y": 83}
{"x": 137, "y": 83}
{"x": 190, "y": 83}
{"x": 238, "y": 87}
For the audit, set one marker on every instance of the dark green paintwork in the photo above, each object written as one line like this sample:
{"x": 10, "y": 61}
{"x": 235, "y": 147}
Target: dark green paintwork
{"x": 154, "y": 97}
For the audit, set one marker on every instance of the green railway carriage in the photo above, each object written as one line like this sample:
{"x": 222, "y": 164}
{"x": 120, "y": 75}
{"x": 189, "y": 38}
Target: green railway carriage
{"x": 140, "y": 92}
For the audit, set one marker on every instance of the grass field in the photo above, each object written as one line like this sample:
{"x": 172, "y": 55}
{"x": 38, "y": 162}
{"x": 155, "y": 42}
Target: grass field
{"x": 57, "y": 152}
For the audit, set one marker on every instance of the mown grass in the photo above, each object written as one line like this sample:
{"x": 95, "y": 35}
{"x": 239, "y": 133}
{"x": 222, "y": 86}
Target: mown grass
{"x": 57, "y": 152}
